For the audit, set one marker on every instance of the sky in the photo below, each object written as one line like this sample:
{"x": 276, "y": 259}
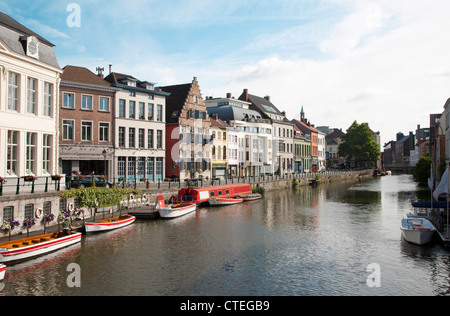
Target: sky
{"x": 382, "y": 62}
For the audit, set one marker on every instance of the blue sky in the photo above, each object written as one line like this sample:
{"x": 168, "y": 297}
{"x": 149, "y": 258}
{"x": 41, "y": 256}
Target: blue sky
{"x": 378, "y": 61}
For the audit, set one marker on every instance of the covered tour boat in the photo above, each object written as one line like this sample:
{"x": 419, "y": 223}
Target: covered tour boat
{"x": 109, "y": 224}
{"x": 35, "y": 246}
{"x": 173, "y": 210}
{"x": 200, "y": 196}
{"x": 2, "y": 271}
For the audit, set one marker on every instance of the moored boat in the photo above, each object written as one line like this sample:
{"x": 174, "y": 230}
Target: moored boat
{"x": 35, "y": 246}
{"x": 109, "y": 224}
{"x": 2, "y": 271}
{"x": 173, "y": 210}
{"x": 250, "y": 197}
{"x": 200, "y": 196}
{"x": 418, "y": 231}
{"x": 224, "y": 201}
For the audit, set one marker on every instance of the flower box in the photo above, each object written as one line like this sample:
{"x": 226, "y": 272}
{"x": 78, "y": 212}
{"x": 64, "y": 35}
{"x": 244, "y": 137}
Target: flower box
{"x": 29, "y": 178}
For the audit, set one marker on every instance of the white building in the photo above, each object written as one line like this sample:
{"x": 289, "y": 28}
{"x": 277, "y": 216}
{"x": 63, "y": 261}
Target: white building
{"x": 29, "y": 87}
{"x": 250, "y": 137}
{"x": 140, "y": 129}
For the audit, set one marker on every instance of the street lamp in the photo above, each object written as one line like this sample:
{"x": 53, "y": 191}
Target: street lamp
{"x": 104, "y": 153}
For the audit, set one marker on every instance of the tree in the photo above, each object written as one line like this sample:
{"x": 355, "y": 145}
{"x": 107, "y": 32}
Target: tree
{"x": 422, "y": 170}
{"x": 358, "y": 145}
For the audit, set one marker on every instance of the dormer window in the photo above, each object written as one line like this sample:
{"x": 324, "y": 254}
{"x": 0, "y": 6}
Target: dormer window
{"x": 31, "y": 46}
{"x": 131, "y": 83}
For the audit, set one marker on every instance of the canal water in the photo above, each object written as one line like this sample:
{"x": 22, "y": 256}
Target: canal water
{"x": 314, "y": 241}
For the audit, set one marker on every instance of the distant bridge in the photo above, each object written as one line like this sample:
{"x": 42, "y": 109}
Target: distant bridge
{"x": 399, "y": 169}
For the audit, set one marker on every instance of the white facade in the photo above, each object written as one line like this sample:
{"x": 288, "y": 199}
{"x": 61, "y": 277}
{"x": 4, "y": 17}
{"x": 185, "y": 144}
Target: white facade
{"x": 140, "y": 135}
{"x": 322, "y": 151}
{"x": 29, "y": 97}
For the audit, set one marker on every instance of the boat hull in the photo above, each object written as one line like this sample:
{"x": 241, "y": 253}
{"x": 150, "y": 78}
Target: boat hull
{"x": 418, "y": 235}
{"x": 250, "y": 197}
{"x": 2, "y": 272}
{"x": 169, "y": 212}
{"x": 224, "y": 201}
{"x": 107, "y": 226}
{"x": 22, "y": 253}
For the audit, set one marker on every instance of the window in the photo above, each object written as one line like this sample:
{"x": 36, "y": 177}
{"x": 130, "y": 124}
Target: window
{"x": 159, "y": 140}
{"x": 150, "y": 112}
{"x": 47, "y": 209}
{"x": 103, "y": 132}
{"x": 122, "y": 105}
{"x": 8, "y": 213}
{"x": 68, "y": 101}
{"x": 47, "y": 154}
{"x": 86, "y": 131}
{"x": 212, "y": 194}
{"x": 151, "y": 169}
{"x": 29, "y": 211}
{"x": 150, "y": 139}
{"x": 131, "y": 168}
{"x": 31, "y": 154}
{"x": 86, "y": 102}
{"x": 132, "y": 114}
{"x": 159, "y": 168}
{"x": 104, "y": 104}
{"x": 68, "y": 129}
{"x": 31, "y": 95}
{"x": 48, "y": 99}
{"x": 141, "y": 168}
{"x": 12, "y": 153}
{"x": 121, "y": 136}
{"x": 121, "y": 167}
{"x": 13, "y": 91}
{"x": 159, "y": 113}
{"x": 131, "y": 138}
{"x": 220, "y": 193}
{"x": 141, "y": 138}
{"x": 141, "y": 110}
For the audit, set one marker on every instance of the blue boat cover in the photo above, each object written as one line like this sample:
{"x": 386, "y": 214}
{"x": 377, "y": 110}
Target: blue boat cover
{"x": 429, "y": 204}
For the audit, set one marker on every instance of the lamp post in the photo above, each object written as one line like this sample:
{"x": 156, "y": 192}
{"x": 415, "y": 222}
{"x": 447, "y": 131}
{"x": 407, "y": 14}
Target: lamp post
{"x": 105, "y": 153}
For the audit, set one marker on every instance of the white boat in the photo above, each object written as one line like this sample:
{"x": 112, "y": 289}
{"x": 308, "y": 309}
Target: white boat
{"x": 250, "y": 197}
{"x": 2, "y": 271}
{"x": 35, "y": 246}
{"x": 173, "y": 210}
{"x": 224, "y": 201}
{"x": 418, "y": 231}
{"x": 109, "y": 224}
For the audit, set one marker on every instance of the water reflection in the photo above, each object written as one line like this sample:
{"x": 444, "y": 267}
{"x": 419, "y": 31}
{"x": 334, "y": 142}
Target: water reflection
{"x": 313, "y": 241}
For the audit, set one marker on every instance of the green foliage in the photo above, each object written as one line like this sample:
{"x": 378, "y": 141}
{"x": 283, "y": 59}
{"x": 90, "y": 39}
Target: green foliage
{"x": 422, "y": 170}
{"x": 95, "y": 197}
{"x": 359, "y": 145}
{"x": 259, "y": 190}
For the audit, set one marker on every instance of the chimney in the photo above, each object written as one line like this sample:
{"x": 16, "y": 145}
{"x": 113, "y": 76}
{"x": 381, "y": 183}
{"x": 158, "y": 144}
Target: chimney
{"x": 228, "y": 95}
{"x": 100, "y": 72}
{"x": 110, "y": 68}
{"x": 246, "y": 95}
{"x": 267, "y": 97}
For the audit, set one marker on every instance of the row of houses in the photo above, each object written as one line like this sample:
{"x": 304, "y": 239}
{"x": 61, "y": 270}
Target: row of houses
{"x": 74, "y": 121}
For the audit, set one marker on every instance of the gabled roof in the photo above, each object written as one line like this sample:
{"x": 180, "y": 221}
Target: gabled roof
{"x": 116, "y": 79}
{"x": 176, "y": 101}
{"x": 264, "y": 105}
{"x": 219, "y": 123}
{"x": 82, "y": 75}
{"x": 13, "y": 35}
{"x": 306, "y": 128}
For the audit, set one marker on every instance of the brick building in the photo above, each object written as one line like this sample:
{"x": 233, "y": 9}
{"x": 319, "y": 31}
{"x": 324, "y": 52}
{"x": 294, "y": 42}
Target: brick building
{"x": 86, "y": 122}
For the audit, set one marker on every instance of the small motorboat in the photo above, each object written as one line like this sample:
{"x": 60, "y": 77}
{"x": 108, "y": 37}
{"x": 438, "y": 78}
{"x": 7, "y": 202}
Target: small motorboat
{"x": 224, "y": 201}
{"x": 250, "y": 197}
{"x": 2, "y": 271}
{"x": 417, "y": 231}
{"x": 35, "y": 246}
{"x": 109, "y": 224}
{"x": 173, "y": 210}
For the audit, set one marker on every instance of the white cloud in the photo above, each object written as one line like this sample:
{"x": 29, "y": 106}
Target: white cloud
{"x": 388, "y": 65}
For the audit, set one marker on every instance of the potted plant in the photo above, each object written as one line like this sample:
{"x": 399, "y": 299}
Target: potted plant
{"x": 56, "y": 177}
{"x": 29, "y": 178}
{"x": 7, "y": 227}
{"x": 2, "y": 181}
